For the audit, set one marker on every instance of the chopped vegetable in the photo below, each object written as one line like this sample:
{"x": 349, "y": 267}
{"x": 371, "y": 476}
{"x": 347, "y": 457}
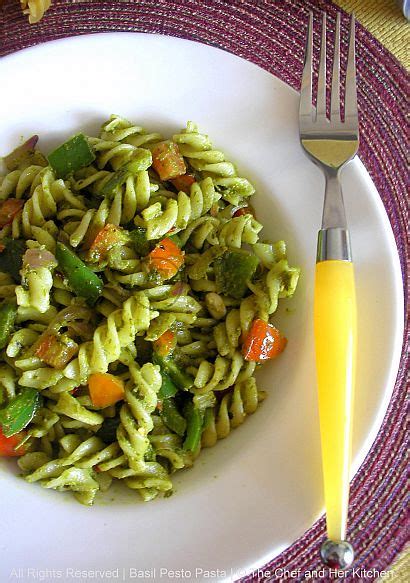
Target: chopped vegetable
{"x": 167, "y": 161}
{"x": 263, "y": 342}
{"x": 71, "y": 156}
{"x": 176, "y": 239}
{"x": 165, "y": 343}
{"x": 105, "y": 389}
{"x": 56, "y": 351}
{"x": 20, "y": 411}
{"x": 166, "y": 258}
{"x": 13, "y": 160}
{"x": 9, "y": 446}
{"x": 11, "y": 258}
{"x": 172, "y": 417}
{"x": 82, "y": 280}
{"x": 8, "y": 313}
{"x": 194, "y": 427}
{"x": 140, "y": 241}
{"x": 183, "y": 182}
{"x": 244, "y": 210}
{"x": 183, "y": 380}
{"x": 25, "y": 155}
{"x": 141, "y": 160}
{"x": 233, "y": 270}
{"x": 9, "y": 209}
{"x": 36, "y": 258}
{"x": 168, "y": 388}
{"x": 108, "y": 430}
{"x": 106, "y": 239}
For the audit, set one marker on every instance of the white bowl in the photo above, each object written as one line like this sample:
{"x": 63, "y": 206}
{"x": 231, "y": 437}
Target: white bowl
{"x": 256, "y": 492}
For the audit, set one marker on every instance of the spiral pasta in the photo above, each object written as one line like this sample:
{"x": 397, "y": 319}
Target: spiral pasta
{"x": 231, "y": 411}
{"x": 136, "y": 303}
{"x": 35, "y": 9}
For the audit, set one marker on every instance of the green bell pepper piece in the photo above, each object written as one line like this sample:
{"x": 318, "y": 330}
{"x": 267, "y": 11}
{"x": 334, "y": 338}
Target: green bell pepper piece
{"x": 233, "y": 270}
{"x": 194, "y": 427}
{"x": 11, "y": 258}
{"x": 8, "y": 312}
{"x": 20, "y": 411}
{"x": 168, "y": 388}
{"x": 172, "y": 417}
{"x": 180, "y": 378}
{"x": 141, "y": 160}
{"x": 82, "y": 279}
{"x": 74, "y": 154}
{"x": 140, "y": 241}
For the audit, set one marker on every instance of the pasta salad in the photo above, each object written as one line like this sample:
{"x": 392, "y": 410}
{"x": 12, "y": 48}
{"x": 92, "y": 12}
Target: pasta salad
{"x": 136, "y": 304}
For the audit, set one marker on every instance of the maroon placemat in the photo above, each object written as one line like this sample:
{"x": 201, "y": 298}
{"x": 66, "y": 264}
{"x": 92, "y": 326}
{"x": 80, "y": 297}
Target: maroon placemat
{"x": 272, "y": 35}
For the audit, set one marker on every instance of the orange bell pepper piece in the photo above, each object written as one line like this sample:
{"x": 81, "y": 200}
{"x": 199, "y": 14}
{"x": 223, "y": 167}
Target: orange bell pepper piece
{"x": 8, "y": 445}
{"x": 263, "y": 342}
{"x": 167, "y": 160}
{"x": 9, "y": 209}
{"x": 105, "y": 389}
{"x": 166, "y": 258}
{"x": 165, "y": 343}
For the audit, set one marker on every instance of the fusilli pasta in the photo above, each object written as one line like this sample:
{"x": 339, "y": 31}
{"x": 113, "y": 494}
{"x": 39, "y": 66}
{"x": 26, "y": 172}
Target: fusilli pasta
{"x": 136, "y": 304}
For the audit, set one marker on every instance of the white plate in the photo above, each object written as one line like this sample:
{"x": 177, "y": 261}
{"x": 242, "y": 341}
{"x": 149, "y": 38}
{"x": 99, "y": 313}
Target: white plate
{"x": 259, "y": 490}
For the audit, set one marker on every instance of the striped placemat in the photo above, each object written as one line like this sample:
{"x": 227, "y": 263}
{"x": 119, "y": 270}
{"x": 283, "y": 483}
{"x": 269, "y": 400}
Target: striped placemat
{"x": 272, "y": 35}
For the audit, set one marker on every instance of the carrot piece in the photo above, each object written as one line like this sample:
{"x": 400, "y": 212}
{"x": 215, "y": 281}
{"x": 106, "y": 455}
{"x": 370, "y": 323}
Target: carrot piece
{"x": 167, "y": 160}
{"x": 8, "y": 445}
{"x": 183, "y": 182}
{"x": 166, "y": 258}
{"x": 56, "y": 351}
{"x": 263, "y": 342}
{"x": 165, "y": 343}
{"x": 9, "y": 209}
{"x": 106, "y": 239}
{"x": 105, "y": 389}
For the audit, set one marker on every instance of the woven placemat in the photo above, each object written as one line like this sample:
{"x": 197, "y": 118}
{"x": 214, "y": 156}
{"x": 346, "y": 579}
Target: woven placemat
{"x": 385, "y": 20}
{"x": 272, "y": 35}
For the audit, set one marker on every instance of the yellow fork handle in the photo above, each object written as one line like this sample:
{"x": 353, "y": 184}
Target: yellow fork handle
{"x": 335, "y": 340}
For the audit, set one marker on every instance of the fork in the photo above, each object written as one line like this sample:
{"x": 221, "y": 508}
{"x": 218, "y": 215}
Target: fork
{"x": 331, "y": 144}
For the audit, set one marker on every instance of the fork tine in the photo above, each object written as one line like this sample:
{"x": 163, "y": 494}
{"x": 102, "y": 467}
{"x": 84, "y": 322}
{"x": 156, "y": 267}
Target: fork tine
{"x": 351, "y": 116}
{"x": 335, "y": 95}
{"x": 321, "y": 84}
{"x": 305, "y": 107}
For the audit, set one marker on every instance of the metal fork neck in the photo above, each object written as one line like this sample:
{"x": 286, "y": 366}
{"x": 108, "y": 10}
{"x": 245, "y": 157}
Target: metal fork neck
{"x": 333, "y": 238}
{"x": 333, "y": 208}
